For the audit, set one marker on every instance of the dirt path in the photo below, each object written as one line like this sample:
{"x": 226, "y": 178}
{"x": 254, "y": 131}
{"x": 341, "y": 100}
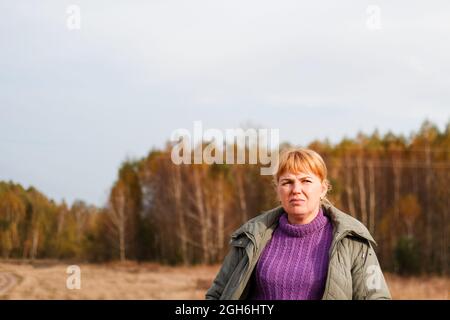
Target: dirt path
{"x": 7, "y": 281}
{"x": 48, "y": 280}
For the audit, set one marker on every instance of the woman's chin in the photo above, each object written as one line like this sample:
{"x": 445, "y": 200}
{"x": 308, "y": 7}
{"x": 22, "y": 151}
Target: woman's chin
{"x": 298, "y": 211}
{"x": 298, "y": 206}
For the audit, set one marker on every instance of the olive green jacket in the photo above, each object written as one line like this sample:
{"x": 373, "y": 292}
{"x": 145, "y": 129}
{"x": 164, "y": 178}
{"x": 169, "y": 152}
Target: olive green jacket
{"x": 353, "y": 272}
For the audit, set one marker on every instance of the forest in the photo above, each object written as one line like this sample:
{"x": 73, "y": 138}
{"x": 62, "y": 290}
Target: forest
{"x": 184, "y": 214}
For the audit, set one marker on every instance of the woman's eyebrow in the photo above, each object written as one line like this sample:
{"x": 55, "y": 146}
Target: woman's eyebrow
{"x": 306, "y": 177}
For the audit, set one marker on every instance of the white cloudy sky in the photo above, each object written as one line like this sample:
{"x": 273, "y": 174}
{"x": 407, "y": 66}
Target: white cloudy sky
{"x": 75, "y": 104}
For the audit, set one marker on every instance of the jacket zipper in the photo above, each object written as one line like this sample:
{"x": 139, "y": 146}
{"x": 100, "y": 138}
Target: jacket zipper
{"x": 250, "y": 266}
{"x": 332, "y": 253}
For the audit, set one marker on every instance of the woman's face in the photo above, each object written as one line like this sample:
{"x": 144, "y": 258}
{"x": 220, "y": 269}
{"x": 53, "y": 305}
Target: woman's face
{"x": 300, "y": 196}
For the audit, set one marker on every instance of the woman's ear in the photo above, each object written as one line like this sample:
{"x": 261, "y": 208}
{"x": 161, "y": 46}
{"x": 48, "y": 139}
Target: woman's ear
{"x": 277, "y": 193}
{"x": 324, "y": 189}
{"x": 274, "y": 184}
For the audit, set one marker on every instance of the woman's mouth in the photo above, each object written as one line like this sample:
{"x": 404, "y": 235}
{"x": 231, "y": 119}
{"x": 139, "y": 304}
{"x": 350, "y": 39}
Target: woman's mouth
{"x": 296, "y": 201}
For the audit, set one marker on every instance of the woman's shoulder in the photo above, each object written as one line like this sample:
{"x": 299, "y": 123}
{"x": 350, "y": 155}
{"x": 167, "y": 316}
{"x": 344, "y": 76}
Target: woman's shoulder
{"x": 345, "y": 223}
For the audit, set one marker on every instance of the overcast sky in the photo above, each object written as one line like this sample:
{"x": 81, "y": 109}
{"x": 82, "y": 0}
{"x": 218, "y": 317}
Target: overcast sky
{"x": 75, "y": 103}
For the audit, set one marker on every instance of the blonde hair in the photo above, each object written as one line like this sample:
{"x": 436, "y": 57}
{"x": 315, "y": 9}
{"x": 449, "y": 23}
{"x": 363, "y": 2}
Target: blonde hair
{"x": 298, "y": 160}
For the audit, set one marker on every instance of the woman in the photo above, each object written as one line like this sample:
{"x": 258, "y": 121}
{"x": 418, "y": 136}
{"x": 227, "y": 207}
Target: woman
{"x": 305, "y": 249}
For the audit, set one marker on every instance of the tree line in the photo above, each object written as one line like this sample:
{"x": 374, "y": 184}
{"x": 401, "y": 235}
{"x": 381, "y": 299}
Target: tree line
{"x": 184, "y": 214}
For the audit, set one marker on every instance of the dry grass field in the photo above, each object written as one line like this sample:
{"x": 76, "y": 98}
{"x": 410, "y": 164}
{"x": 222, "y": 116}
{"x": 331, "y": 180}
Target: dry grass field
{"x": 47, "y": 280}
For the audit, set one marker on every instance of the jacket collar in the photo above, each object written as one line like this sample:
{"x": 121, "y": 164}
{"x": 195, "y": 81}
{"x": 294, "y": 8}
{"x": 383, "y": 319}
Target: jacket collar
{"x": 342, "y": 223}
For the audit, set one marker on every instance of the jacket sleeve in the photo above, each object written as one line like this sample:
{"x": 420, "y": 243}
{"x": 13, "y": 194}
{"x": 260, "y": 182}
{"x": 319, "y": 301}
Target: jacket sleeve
{"x": 367, "y": 278}
{"x": 228, "y": 266}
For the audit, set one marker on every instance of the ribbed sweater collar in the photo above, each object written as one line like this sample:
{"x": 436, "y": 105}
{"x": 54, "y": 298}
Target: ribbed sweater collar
{"x": 302, "y": 230}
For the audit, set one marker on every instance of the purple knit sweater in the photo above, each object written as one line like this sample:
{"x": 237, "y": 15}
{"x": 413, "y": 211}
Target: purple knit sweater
{"x": 294, "y": 263}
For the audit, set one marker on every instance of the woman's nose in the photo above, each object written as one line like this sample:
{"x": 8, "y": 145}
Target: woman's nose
{"x": 297, "y": 187}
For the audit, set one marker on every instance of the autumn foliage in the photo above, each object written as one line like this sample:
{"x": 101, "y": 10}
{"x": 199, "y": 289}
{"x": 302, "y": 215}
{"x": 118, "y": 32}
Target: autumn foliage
{"x": 184, "y": 214}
